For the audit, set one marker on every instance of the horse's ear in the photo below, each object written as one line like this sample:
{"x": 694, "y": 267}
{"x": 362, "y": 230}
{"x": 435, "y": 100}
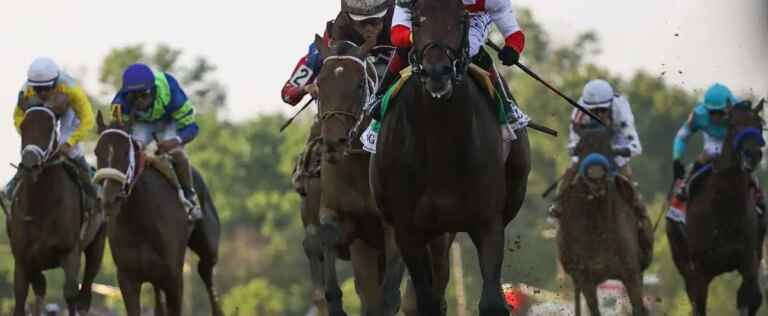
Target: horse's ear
{"x": 322, "y": 47}
{"x": 100, "y": 125}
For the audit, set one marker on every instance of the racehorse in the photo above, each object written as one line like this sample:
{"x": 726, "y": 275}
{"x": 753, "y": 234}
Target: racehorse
{"x": 723, "y": 232}
{"x": 47, "y": 225}
{"x": 148, "y": 226}
{"x": 348, "y": 215}
{"x": 597, "y": 237}
{"x": 440, "y": 164}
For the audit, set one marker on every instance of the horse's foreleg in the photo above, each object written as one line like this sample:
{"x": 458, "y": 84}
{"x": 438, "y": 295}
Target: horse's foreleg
{"x": 634, "y": 286}
{"x": 94, "y": 254}
{"x": 698, "y": 290}
{"x": 20, "y": 289}
{"x": 205, "y": 270}
{"x": 394, "y": 268}
{"x": 365, "y": 266}
{"x": 39, "y": 286}
{"x": 71, "y": 266}
{"x": 330, "y": 234}
{"x": 440, "y": 251}
{"x": 313, "y": 249}
{"x": 160, "y": 303}
{"x": 489, "y": 242}
{"x": 130, "y": 288}
{"x": 590, "y": 295}
{"x": 749, "y": 296}
{"x": 416, "y": 257}
{"x": 577, "y": 298}
{"x": 174, "y": 290}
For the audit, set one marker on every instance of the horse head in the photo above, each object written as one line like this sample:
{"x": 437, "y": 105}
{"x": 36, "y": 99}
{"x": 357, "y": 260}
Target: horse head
{"x": 440, "y": 53}
{"x": 39, "y": 139}
{"x": 743, "y": 145}
{"x": 596, "y": 158}
{"x": 117, "y": 157}
{"x": 347, "y": 83}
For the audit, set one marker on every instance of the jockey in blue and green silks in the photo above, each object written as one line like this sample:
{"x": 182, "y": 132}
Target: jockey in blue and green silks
{"x": 709, "y": 117}
{"x": 163, "y": 113}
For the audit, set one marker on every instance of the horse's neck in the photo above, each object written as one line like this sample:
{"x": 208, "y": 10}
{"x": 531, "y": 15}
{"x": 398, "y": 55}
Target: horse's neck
{"x": 46, "y": 194}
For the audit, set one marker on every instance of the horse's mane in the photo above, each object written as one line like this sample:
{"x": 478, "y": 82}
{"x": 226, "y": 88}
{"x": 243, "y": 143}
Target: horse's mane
{"x": 340, "y": 48}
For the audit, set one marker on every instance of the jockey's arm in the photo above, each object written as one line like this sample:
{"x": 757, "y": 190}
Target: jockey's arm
{"x": 182, "y": 112}
{"x": 503, "y": 16}
{"x": 18, "y": 117}
{"x": 626, "y": 121}
{"x": 573, "y": 137}
{"x": 303, "y": 74}
{"x": 400, "y": 33}
{"x": 681, "y": 139}
{"x": 84, "y": 112}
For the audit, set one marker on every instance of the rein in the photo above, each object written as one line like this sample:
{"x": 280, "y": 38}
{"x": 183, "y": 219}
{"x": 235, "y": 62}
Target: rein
{"x": 127, "y": 178}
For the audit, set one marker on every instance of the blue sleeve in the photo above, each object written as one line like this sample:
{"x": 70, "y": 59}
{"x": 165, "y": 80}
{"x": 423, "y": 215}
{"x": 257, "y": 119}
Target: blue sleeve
{"x": 181, "y": 111}
{"x": 683, "y": 134}
{"x": 188, "y": 133}
{"x": 178, "y": 97}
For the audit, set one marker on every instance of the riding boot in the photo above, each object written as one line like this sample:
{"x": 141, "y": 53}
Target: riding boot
{"x": 682, "y": 192}
{"x": 184, "y": 173}
{"x": 84, "y": 175}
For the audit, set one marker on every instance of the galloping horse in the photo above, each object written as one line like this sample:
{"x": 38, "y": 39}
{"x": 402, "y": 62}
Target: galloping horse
{"x": 598, "y": 238}
{"x": 440, "y": 164}
{"x": 723, "y": 232}
{"x": 148, "y": 226}
{"x": 348, "y": 214}
{"x": 45, "y": 220}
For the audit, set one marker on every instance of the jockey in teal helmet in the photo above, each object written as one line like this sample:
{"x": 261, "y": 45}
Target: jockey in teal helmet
{"x": 710, "y": 118}
{"x": 163, "y": 113}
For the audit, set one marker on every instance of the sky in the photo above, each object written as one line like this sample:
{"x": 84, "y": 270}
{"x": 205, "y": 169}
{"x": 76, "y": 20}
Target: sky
{"x": 255, "y": 44}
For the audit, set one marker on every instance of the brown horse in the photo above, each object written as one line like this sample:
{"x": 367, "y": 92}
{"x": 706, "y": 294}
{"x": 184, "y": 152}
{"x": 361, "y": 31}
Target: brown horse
{"x": 45, "y": 221}
{"x": 723, "y": 232}
{"x": 598, "y": 238}
{"x": 348, "y": 214}
{"x": 440, "y": 165}
{"x": 148, "y": 226}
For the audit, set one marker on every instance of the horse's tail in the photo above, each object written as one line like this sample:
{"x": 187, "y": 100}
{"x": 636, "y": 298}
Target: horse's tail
{"x": 209, "y": 227}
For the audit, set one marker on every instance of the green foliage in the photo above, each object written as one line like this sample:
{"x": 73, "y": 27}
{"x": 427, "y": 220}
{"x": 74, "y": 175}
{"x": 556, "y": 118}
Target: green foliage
{"x": 258, "y": 297}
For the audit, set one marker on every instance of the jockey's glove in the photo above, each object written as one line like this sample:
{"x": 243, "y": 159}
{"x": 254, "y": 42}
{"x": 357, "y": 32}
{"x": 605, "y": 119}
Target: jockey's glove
{"x": 679, "y": 169}
{"x": 509, "y": 56}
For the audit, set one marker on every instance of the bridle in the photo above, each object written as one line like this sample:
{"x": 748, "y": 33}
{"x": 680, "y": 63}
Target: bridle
{"x": 49, "y": 151}
{"x": 125, "y": 179}
{"x": 368, "y": 97}
{"x": 459, "y": 58}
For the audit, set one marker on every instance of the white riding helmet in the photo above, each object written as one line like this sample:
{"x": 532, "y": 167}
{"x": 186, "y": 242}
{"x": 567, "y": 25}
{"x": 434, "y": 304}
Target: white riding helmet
{"x": 597, "y": 93}
{"x": 43, "y": 72}
{"x": 360, "y": 10}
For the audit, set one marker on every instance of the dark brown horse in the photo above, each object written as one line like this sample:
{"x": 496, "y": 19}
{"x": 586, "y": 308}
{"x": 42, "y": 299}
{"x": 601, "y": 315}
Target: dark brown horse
{"x": 723, "y": 232}
{"x": 598, "y": 238}
{"x": 440, "y": 165}
{"x": 148, "y": 226}
{"x": 45, "y": 221}
{"x": 348, "y": 214}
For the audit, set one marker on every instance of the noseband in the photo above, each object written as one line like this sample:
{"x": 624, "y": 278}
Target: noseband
{"x": 125, "y": 179}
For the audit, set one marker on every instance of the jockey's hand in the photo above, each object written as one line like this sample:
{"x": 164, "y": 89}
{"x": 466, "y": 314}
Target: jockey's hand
{"x": 312, "y": 89}
{"x": 64, "y": 149}
{"x": 509, "y": 56}
{"x": 679, "y": 169}
{"x": 168, "y": 145}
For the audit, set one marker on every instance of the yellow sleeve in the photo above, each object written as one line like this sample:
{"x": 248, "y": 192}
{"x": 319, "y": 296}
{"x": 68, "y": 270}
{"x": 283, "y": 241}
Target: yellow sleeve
{"x": 83, "y": 111}
{"x": 18, "y": 117}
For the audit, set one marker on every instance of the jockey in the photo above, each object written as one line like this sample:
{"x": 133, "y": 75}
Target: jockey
{"x": 710, "y": 117}
{"x": 354, "y": 16}
{"x": 163, "y": 113}
{"x": 482, "y": 14}
{"x": 599, "y": 97}
{"x": 47, "y": 85}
